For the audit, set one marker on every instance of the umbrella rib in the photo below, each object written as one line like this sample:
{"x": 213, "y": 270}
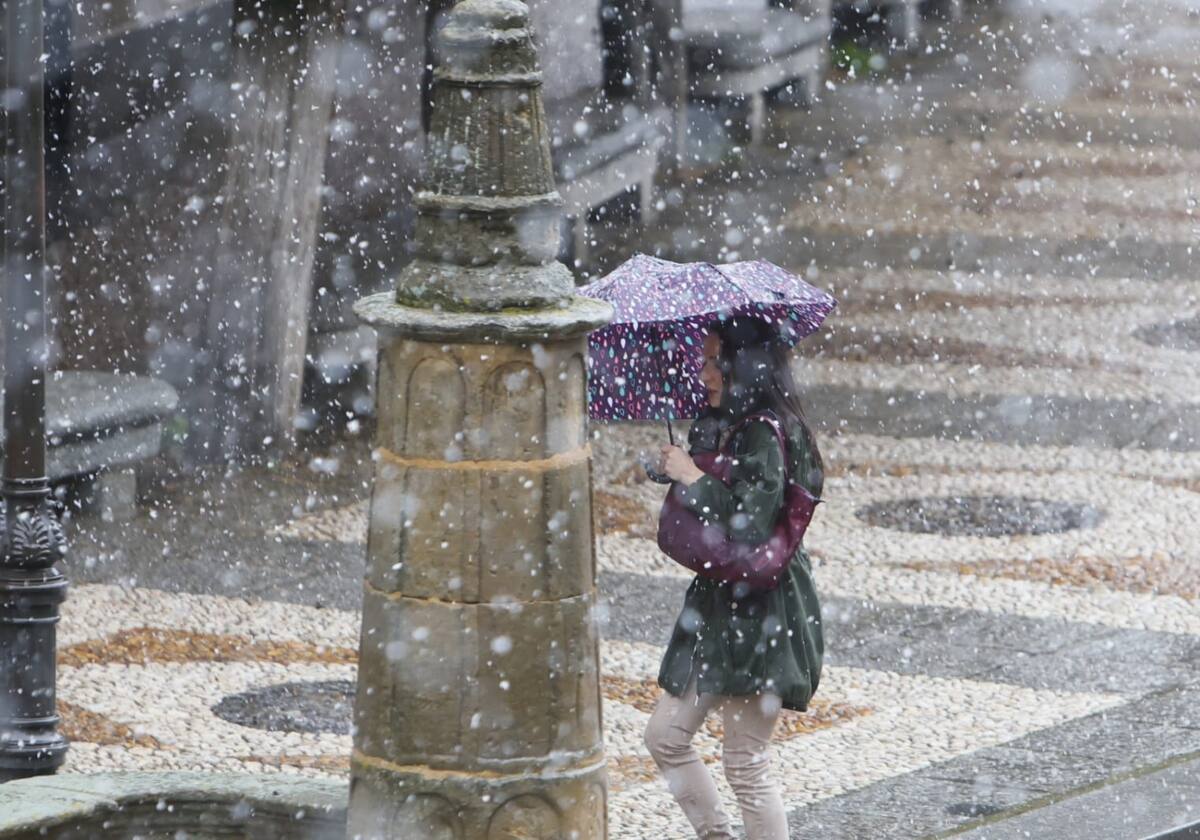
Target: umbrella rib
{"x": 728, "y": 279}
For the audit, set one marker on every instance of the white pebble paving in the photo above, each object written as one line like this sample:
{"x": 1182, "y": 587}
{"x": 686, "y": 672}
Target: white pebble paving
{"x": 1153, "y": 464}
{"x": 173, "y": 702}
{"x": 1066, "y": 331}
{"x": 92, "y": 758}
{"x": 1020, "y": 289}
{"x": 1100, "y": 191}
{"x": 94, "y": 611}
{"x": 347, "y": 524}
{"x": 1016, "y": 384}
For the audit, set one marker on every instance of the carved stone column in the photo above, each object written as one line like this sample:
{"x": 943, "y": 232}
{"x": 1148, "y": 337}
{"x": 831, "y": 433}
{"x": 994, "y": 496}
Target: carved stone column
{"x": 478, "y": 707}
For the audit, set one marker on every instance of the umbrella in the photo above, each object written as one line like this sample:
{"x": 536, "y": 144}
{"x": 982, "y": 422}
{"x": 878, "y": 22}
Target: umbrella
{"x": 645, "y": 365}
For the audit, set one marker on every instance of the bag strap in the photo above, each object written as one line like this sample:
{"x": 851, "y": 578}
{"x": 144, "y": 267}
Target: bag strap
{"x": 770, "y": 418}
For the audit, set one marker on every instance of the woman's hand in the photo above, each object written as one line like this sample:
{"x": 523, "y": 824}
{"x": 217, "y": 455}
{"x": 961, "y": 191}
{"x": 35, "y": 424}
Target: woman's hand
{"x": 678, "y": 465}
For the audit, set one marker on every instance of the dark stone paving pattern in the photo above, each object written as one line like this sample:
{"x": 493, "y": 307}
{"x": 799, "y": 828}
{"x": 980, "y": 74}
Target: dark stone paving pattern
{"x": 980, "y": 516}
{"x": 292, "y": 707}
{"x": 1177, "y": 335}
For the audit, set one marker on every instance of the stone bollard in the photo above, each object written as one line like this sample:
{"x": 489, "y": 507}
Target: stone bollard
{"x": 478, "y": 706}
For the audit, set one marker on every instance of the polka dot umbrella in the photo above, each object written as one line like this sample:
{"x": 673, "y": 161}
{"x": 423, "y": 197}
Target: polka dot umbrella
{"x": 645, "y": 365}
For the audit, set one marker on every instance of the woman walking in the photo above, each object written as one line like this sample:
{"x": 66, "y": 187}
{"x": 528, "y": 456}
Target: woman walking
{"x": 746, "y": 652}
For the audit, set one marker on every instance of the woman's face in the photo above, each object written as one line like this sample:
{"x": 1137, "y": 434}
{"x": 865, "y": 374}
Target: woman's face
{"x": 710, "y": 374}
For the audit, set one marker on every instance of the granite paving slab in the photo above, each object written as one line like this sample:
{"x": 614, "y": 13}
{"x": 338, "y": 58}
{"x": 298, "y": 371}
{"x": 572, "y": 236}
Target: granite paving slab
{"x": 1153, "y": 806}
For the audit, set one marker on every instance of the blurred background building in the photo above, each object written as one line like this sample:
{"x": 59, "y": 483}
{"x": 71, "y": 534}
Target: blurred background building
{"x": 227, "y": 177}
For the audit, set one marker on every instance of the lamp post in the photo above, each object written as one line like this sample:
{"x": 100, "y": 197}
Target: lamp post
{"x": 31, "y": 538}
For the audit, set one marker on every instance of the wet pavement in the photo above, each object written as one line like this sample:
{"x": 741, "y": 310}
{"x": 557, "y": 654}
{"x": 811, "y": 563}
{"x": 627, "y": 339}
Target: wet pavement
{"x": 1008, "y": 222}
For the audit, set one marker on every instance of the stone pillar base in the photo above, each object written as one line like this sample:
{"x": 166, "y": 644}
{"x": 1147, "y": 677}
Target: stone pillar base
{"x": 390, "y": 802}
{"x": 478, "y": 707}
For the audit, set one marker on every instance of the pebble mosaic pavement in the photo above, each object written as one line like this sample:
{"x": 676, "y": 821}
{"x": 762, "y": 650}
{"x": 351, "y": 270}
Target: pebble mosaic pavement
{"x": 142, "y": 669}
{"x": 966, "y": 675}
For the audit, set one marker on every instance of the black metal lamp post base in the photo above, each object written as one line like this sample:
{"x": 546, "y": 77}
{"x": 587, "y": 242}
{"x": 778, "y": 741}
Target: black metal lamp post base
{"x": 21, "y": 760}
{"x": 31, "y": 588}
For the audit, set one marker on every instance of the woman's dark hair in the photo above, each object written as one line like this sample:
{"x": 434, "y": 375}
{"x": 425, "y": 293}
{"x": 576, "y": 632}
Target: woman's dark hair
{"x": 758, "y": 377}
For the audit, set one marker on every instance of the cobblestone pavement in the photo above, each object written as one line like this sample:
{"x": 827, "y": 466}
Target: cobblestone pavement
{"x": 1008, "y": 395}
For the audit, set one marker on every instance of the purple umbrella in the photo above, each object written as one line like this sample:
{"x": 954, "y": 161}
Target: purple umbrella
{"x": 645, "y": 365}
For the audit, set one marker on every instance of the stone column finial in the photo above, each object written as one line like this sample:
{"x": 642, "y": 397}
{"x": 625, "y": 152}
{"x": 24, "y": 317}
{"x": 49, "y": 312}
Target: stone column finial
{"x": 487, "y": 231}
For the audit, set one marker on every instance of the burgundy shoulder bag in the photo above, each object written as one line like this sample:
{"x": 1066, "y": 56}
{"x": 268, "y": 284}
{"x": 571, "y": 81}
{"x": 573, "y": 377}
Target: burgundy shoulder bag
{"x": 709, "y": 550}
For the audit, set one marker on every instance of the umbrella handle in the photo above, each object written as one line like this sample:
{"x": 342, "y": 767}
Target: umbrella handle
{"x": 670, "y": 432}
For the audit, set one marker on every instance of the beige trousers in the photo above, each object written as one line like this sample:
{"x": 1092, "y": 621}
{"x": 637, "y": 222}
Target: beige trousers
{"x": 747, "y": 723}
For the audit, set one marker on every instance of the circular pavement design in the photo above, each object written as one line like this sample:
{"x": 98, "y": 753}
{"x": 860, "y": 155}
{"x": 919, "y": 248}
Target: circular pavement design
{"x": 1175, "y": 335}
{"x": 292, "y": 707}
{"x": 980, "y": 516}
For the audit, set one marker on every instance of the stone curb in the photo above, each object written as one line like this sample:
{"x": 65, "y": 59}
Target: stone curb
{"x": 272, "y": 805}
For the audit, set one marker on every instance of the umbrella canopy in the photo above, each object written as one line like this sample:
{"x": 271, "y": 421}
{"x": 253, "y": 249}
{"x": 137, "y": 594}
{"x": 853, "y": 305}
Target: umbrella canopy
{"x": 645, "y": 365}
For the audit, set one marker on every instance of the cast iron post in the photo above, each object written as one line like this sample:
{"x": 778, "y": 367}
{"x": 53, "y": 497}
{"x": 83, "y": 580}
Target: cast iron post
{"x": 478, "y": 708}
{"x": 31, "y": 538}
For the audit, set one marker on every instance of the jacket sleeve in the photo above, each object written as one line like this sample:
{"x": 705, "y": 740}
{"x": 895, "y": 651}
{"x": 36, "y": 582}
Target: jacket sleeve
{"x": 750, "y": 504}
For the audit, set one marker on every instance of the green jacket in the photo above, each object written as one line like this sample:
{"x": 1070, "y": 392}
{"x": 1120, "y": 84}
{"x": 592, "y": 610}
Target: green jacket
{"x": 744, "y": 642}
